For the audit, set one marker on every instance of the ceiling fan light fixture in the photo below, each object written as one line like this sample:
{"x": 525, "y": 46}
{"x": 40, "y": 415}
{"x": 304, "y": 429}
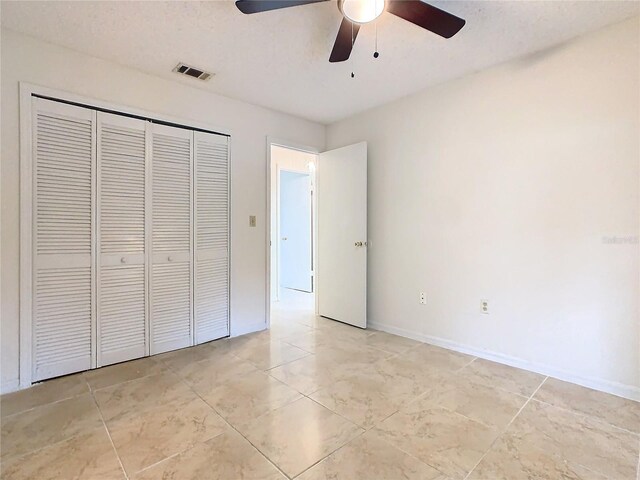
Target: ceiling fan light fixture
{"x": 361, "y": 11}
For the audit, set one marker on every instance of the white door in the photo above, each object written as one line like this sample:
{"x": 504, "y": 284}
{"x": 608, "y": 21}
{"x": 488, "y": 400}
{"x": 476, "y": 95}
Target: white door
{"x": 211, "y": 289}
{"x": 295, "y": 231}
{"x": 171, "y": 293}
{"x": 63, "y": 239}
{"x": 121, "y": 289}
{"x": 342, "y": 234}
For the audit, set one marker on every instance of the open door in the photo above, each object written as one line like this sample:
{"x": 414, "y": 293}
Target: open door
{"x": 342, "y": 234}
{"x": 295, "y": 231}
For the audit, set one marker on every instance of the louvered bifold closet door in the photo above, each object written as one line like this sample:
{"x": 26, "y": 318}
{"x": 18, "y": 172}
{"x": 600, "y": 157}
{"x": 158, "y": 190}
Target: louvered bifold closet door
{"x": 63, "y": 252}
{"x": 121, "y": 315}
{"x": 171, "y": 269}
{"x": 211, "y": 289}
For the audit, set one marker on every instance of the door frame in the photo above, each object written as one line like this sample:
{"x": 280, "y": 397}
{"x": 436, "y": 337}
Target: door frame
{"x": 27, "y": 91}
{"x": 278, "y": 142}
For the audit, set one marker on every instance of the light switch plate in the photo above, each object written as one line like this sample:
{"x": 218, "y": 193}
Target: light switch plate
{"x": 252, "y": 220}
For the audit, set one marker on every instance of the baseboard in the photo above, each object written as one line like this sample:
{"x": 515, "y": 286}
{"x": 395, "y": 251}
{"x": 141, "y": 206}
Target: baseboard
{"x": 615, "y": 388}
{"x": 9, "y": 386}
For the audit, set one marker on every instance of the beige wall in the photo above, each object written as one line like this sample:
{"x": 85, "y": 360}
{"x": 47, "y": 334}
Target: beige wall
{"x": 29, "y": 60}
{"x": 505, "y": 185}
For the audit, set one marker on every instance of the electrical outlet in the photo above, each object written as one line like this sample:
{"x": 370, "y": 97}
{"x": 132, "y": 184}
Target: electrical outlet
{"x": 252, "y": 220}
{"x": 423, "y": 298}
{"x": 484, "y": 307}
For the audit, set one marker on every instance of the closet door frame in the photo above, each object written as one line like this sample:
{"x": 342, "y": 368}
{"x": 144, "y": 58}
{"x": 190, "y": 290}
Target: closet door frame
{"x": 26, "y": 92}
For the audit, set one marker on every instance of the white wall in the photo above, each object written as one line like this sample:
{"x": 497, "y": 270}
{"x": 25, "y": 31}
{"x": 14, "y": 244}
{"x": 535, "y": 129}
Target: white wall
{"x": 27, "y": 59}
{"x": 502, "y": 185}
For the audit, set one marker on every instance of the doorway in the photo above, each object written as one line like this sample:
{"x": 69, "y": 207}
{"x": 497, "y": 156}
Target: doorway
{"x": 293, "y": 233}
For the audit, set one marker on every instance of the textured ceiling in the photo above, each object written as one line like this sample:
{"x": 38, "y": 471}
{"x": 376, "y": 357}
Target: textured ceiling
{"x": 279, "y": 59}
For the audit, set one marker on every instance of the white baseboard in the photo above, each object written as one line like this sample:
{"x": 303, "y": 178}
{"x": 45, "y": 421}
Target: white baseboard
{"x": 615, "y": 388}
{"x": 9, "y": 386}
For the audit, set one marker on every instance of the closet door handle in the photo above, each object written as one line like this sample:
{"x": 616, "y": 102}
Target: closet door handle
{"x": 123, "y": 260}
{"x": 170, "y": 258}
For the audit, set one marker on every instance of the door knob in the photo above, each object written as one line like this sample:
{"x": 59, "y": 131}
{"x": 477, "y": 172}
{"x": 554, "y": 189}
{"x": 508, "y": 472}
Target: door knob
{"x": 284, "y": 238}
{"x": 358, "y": 244}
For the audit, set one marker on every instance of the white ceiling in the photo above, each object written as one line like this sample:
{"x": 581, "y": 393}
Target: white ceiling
{"x": 279, "y": 59}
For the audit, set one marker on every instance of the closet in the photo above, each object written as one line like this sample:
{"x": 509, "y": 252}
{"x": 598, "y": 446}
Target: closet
{"x": 130, "y": 238}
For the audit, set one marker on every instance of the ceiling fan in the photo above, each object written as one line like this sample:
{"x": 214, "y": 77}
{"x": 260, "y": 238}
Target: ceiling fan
{"x": 359, "y": 12}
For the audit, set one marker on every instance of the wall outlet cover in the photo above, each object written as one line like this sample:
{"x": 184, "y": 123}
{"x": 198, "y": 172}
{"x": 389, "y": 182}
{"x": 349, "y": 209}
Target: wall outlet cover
{"x": 484, "y": 306}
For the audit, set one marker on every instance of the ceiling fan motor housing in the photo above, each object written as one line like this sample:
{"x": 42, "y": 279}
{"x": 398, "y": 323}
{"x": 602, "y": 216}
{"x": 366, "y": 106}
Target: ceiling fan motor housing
{"x": 361, "y": 11}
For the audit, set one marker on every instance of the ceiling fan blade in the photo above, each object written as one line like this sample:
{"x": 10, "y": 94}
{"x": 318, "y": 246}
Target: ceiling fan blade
{"x": 426, "y": 16}
{"x": 347, "y": 34}
{"x": 257, "y": 6}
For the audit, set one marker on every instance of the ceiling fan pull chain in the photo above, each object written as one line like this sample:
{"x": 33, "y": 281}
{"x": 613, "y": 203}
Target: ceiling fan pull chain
{"x": 376, "y": 54}
{"x": 352, "y": 42}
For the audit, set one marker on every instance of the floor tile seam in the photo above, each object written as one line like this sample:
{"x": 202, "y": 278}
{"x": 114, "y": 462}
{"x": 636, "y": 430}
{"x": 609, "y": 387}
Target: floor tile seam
{"x": 420, "y": 344}
{"x": 588, "y": 417}
{"x": 436, "y": 405}
{"x": 589, "y": 469}
{"x": 308, "y": 354}
{"x": 218, "y": 384}
{"x": 487, "y": 384}
{"x": 113, "y": 446}
{"x": 13, "y": 457}
{"x": 10, "y": 456}
{"x": 186, "y": 449}
{"x": 398, "y": 447}
{"x": 291, "y": 386}
{"x": 162, "y": 461}
{"x": 466, "y": 365}
{"x": 300, "y": 395}
{"x": 336, "y": 413}
{"x": 297, "y": 346}
{"x": 496, "y": 429}
{"x": 421, "y": 461}
{"x": 286, "y": 363}
{"x": 230, "y": 425}
{"x": 152, "y": 409}
{"x": 5, "y": 417}
{"x": 504, "y": 429}
{"x": 278, "y": 341}
{"x": 176, "y": 370}
{"x": 93, "y": 390}
{"x": 328, "y": 455}
{"x": 391, "y": 354}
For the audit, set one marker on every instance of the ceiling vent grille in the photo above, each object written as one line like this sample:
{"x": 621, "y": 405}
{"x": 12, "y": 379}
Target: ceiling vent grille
{"x": 192, "y": 72}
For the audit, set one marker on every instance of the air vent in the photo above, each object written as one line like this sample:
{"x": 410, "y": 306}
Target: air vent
{"x": 192, "y": 72}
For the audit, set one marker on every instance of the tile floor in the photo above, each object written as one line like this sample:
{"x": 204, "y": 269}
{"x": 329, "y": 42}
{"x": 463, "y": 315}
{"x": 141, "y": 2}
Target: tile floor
{"x": 313, "y": 399}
